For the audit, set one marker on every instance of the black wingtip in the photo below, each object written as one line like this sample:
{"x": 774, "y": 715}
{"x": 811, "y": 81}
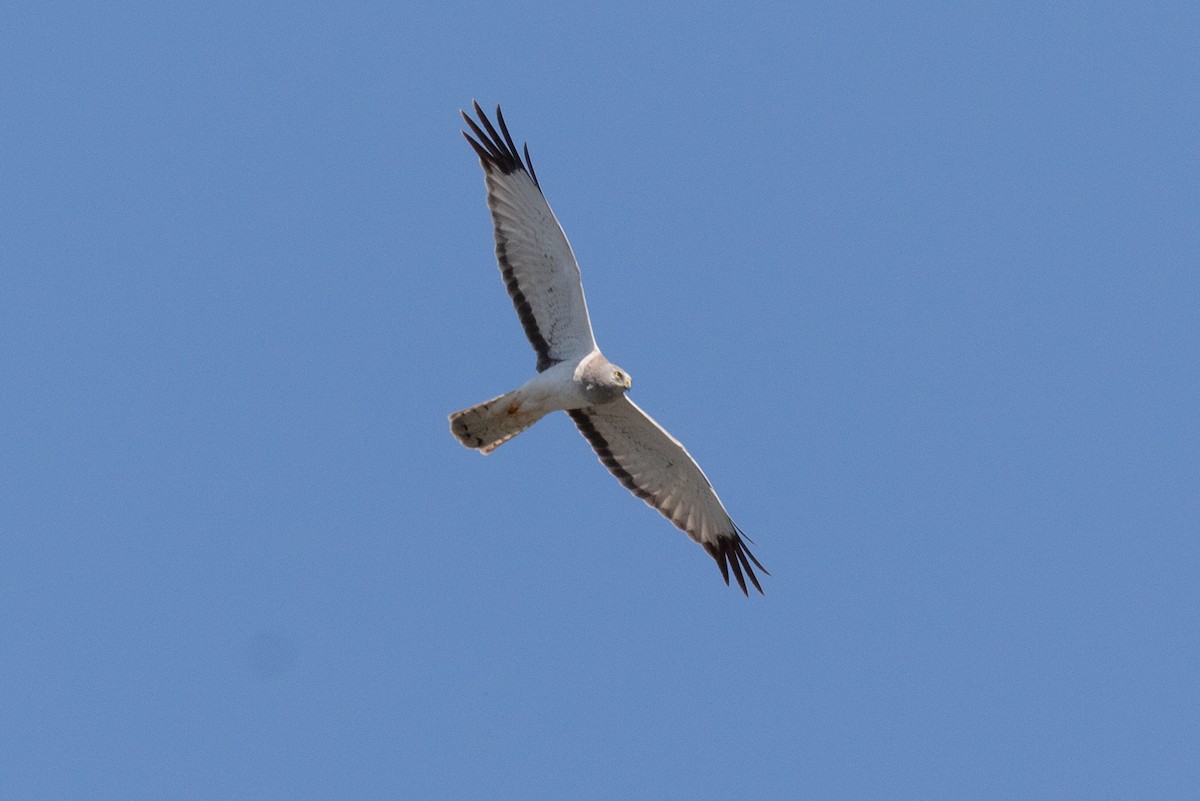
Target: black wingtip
{"x": 496, "y": 148}
{"x": 529, "y": 164}
{"x": 731, "y": 552}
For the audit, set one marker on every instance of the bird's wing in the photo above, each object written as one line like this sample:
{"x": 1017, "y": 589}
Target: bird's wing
{"x": 655, "y": 467}
{"x": 535, "y": 258}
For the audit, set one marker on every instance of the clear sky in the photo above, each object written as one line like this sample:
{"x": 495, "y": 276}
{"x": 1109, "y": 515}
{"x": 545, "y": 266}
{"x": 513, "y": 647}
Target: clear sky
{"x": 916, "y": 283}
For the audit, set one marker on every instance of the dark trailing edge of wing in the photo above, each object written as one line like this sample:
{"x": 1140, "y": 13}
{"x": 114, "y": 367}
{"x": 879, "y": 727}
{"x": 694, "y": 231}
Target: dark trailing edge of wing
{"x": 600, "y": 445}
{"x": 729, "y": 551}
{"x": 498, "y": 152}
{"x": 495, "y": 150}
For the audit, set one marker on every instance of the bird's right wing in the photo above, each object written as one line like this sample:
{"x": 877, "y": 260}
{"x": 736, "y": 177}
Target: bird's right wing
{"x": 536, "y": 261}
{"x": 655, "y": 467}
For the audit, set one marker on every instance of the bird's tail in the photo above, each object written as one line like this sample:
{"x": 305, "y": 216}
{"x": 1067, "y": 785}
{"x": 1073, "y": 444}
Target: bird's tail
{"x": 492, "y": 423}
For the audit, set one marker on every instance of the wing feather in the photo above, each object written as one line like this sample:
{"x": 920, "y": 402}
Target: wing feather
{"x": 656, "y": 467}
{"x": 536, "y": 261}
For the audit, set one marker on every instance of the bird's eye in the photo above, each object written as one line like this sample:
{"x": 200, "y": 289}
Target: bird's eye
{"x": 619, "y": 375}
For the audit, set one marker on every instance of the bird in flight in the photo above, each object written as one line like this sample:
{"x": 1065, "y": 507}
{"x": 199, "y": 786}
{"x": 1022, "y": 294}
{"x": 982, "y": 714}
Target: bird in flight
{"x": 542, "y": 277}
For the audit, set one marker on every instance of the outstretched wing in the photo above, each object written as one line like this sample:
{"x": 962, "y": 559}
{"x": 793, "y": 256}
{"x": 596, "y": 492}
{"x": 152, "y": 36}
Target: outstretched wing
{"x": 655, "y": 467}
{"x": 535, "y": 258}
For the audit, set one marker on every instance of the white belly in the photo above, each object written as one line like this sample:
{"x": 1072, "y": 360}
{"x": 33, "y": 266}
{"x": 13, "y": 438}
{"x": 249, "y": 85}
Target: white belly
{"x": 553, "y": 389}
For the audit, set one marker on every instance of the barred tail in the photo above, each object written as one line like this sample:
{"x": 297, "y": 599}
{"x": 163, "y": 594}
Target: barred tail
{"x": 490, "y": 424}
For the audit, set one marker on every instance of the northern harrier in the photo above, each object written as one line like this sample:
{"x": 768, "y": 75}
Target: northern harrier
{"x": 542, "y": 277}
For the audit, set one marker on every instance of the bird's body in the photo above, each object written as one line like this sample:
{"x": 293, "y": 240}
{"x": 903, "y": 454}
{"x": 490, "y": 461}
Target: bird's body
{"x": 543, "y": 281}
{"x": 563, "y": 386}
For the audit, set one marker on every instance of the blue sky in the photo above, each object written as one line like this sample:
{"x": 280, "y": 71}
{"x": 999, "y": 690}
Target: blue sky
{"x": 916, "y": 283}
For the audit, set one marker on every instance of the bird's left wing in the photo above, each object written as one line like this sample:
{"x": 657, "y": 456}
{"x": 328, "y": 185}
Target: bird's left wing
{"x": 536, "y": 261}
{"x": 655, "y": 467}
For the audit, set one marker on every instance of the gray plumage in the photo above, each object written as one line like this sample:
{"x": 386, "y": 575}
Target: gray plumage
{"x": 543, "y": 281}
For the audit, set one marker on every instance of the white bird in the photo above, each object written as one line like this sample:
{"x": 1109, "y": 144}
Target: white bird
{"x": 542, "y": 277}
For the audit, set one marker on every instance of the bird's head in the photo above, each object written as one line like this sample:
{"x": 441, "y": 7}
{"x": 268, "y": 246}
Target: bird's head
{"x": 602, "y": 380}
